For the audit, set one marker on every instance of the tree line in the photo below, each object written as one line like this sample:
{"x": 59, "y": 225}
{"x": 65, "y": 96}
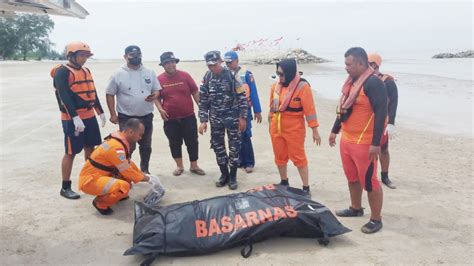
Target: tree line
{"x": 26, "y": 36}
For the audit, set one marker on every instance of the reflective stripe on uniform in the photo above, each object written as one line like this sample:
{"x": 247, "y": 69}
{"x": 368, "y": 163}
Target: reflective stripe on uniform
{"x": 105, "y": 146}
{"x": 108, "y": 185}
{"x": 311, "y": 118}
{"x": 123, "y": 166}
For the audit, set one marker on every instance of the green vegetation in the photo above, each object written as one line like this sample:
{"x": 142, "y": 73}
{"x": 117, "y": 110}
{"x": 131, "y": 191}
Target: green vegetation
{"x": 26, "y": 36}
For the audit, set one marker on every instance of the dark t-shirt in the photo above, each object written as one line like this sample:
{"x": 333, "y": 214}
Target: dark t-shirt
{"x": 176, "y": 95}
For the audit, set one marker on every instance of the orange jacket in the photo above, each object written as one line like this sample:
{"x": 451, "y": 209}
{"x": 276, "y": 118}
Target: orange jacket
{"x": 301, "y": 104}
{"x": 82, "y": 86}
{"x": 112, "y": 153}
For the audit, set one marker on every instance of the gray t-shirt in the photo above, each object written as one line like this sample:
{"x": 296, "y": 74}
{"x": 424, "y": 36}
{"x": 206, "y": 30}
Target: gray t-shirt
{"x": 131, "y": 87}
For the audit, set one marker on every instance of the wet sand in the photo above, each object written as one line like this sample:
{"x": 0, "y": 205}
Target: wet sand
{"x": 428, "y": 219}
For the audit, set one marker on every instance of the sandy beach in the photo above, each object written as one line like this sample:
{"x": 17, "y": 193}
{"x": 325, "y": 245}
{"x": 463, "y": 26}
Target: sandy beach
{"x": 428, "y": 219}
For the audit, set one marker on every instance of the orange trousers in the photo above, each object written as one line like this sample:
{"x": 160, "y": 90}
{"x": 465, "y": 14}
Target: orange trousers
{"x": 288, "y": 144}
{"x": 108, "y": 190}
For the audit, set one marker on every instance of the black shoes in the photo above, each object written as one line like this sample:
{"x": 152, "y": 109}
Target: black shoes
{"x": 69, "y": 194}
{"x": 350, "y": 212}
{"x": 372, "y": 226}
{"x": 284, "y": 182}
{"x": 224, "y": 179}
{"x": 386, "y": 181}
{"x": 107, "y": 211}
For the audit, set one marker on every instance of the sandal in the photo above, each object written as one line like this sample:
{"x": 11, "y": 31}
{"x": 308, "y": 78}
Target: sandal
{"x": 178, "y": 171}
{"x": 350, "y": 212}
{"x": 372, "y": 226}
{"x": 197, "y": 171}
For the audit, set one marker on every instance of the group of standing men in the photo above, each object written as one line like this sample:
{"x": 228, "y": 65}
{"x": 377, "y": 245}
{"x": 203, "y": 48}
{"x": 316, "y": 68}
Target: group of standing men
{"x": 226, "y": 99}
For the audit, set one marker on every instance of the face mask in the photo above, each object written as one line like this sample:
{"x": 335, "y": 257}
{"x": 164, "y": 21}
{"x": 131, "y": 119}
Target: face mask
{"x": 135, "y": 61}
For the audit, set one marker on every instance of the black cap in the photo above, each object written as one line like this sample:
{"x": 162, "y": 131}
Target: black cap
{"x": 212, "y": 57}
{"x": 167, "y": 57}
{"x": 132, "y": 49}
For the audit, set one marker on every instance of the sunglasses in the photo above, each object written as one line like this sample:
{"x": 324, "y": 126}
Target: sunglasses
{"x": 280, "y": 74}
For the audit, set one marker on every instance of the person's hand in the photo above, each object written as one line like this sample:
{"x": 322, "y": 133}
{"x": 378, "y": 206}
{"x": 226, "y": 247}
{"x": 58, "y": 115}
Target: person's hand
{"x": 243, "y": 124}
{"x": 203, "y": 128}
{"x": 151, "y": 98}
{"x": 78, "y": 125}
{"x": 258, "y": 117}
{"x": 103, "y": 119}
{"x": 316, "y": 137}
{"x": 332, "y": 139}
{"x": 113, "y": 119}
{"x": 163, "y": 114}
{"x": 391, "y": 131}
{"x": 374, "y": 152}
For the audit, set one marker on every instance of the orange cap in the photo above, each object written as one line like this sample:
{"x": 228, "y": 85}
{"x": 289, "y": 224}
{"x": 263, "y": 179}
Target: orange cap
{"x": 73, "y": 47}
{"x": 375, "y": 58}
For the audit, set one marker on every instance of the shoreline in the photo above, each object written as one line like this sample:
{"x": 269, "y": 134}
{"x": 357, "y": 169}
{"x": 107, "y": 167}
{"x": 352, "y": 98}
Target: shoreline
{"x": 431, "y": 209}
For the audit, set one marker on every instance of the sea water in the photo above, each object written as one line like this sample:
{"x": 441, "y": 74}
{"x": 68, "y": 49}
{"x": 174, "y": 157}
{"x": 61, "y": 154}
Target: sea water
{"x": 434, "y": 94}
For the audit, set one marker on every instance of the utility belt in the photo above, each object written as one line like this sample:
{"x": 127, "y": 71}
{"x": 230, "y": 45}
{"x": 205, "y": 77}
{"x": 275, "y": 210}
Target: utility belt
{"x": 294, "y": 110}
{"x": 100, "y": 166}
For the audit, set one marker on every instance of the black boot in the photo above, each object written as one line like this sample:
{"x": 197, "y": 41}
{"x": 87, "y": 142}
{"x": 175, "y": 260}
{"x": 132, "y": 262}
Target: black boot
{"x": 233, "y": 178}
{"x": 224, "y": 176}
{"x": 67, "y": 192}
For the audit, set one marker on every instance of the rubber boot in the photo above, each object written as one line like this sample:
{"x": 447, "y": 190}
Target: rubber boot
{"x": 67, "y": 192}
{"x": 224, "y": 176}
{"x": 233, "y": 178}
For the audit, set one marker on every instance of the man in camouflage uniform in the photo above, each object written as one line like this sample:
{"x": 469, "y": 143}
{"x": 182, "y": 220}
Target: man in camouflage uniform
{"x": 222, "y": 102}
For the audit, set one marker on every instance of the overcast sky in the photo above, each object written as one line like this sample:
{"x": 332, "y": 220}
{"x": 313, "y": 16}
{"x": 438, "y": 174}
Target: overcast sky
{"x": 325, "y": 28}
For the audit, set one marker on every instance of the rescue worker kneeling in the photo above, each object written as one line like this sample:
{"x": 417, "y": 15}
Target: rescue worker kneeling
{"x": 109, "y": 172}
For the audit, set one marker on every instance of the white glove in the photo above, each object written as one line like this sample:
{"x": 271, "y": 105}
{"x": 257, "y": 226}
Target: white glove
{"x": 103, "y": 119}
{"x": 390, "y": 130}
{"x": 155, "y": 183}
{"x": 78, "y": 125}
{"x": 156, "y": 192}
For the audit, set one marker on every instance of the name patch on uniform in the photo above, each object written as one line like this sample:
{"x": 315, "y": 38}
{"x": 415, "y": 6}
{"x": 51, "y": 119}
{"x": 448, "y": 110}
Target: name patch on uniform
{"x": 119, "y": 151}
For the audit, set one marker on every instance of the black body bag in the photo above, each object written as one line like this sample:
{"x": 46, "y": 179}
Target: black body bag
{"x": 240, "y": 219}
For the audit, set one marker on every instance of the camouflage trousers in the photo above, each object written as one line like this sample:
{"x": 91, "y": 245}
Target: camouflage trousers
{"x": 218, "y": 130}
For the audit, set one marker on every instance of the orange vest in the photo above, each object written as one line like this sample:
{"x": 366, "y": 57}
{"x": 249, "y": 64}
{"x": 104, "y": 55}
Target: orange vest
{"x": 82, "y": 85}
{"x": 295, "y": 108}
{"x": 359, "y": 127}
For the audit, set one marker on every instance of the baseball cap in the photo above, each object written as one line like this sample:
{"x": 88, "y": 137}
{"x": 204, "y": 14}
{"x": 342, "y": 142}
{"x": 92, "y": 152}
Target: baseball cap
{"x": 230, "y": 56}
{"x": 212, "y": 57}
{"x": 132, "y": 49}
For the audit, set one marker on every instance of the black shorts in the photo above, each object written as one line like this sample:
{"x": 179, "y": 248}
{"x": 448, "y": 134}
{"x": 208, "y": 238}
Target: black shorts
{"x": 89, "y": 138}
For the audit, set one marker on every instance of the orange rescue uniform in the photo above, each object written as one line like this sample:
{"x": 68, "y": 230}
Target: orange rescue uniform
{"x": 287, "y": 128}
{"x": 109, "y": 171}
